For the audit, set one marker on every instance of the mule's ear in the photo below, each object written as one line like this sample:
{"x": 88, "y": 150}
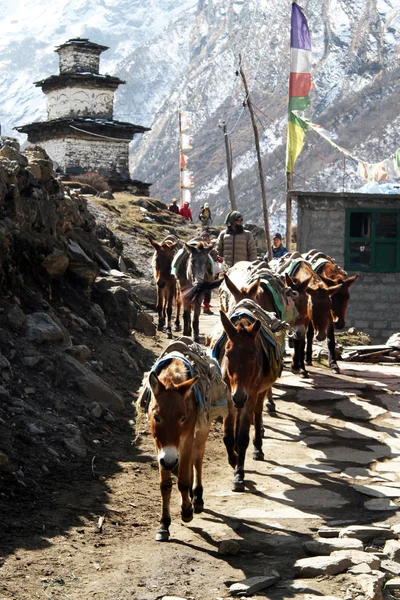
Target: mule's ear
{"x": 251, "y": 290}
{"x": 233, "y": 289}
{"x": 255, "y": 327}
{"x": 185, "y": 387}
{"x": 228, "y": 326}
{"x": 334, "y": 289}
{"x": 289, "y": 281}
{"x": 329, "y": 282}
{"x": 350, "y": 280}
{"x": 189, "y": 248}
{"x": 155, "y": 244}
{"x": 155, "y": 384}
{"x": 311, "y": 291}
{"x": 304, "y": 285}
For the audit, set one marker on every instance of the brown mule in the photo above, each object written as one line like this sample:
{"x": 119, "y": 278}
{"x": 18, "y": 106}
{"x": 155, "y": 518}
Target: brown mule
{"x": 179, "y": 438}
{"x": 246, "y": 370}
{"x": 166, "y": 284}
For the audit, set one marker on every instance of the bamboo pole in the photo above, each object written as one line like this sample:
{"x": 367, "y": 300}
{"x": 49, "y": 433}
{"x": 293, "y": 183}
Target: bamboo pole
{"x": 180, "y": 157}
{"x": 228, "y": 153}
{"x": 260, "y": 167}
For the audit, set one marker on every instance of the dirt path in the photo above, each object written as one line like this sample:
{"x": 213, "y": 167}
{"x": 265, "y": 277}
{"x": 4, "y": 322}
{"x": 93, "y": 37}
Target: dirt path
{"x": 330, "y": 432}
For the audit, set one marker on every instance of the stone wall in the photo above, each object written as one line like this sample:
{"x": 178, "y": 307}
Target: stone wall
{"x": 374, "y": 305}
{"x": 80, "y": 102}
{"x": 78, "y": 60}
{"x": 91, "y": 155}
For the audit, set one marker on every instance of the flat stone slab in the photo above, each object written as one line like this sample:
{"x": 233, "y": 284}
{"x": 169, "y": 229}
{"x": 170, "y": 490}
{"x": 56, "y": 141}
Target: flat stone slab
{"x": 380, "y": 504}
{"x": 280, "y": 512}
{"x": 342, "y": 454}
{"x": 393, "y": 584}
{"x": 317, "y": 395}
{"x": 390, "y": 566}
{"x": 357, "y": 557}
{"x": 378, "y": 491}
{"x": 324, "y": 546}
{"x": 311, "y": 468}
{"x": 316, "y": 440}
{"x": 311, "y": 497}
{"x": 249, "y": 587}
{"x": 367, "y": 533}
{"x": 321, "y": 565}
{"x": 359, "y": 410}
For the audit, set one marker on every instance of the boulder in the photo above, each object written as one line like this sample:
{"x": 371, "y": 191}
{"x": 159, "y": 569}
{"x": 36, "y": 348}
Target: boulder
{"x": 145, "y": 324}
{"x": 145, "y": 291}
{"x": 249, "y": 587}
{"x": 55, "y": 264}
{"x": 41, "y": 328}
{"x": 325, "y": 546}
{"x": 321, "y": 565}
{"x": 91, "y": 385}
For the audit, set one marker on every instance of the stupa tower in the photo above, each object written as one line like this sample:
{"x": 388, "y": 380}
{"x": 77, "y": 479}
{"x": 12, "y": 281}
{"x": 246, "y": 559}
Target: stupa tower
{"x": 80, "y": 133}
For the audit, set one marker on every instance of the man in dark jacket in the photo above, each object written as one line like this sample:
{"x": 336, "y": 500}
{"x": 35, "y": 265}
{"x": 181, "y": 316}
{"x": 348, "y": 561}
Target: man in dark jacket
{"x": 236, "y": 243}
{"x": 173, "y": 207}
{"x": 278, "y": 249}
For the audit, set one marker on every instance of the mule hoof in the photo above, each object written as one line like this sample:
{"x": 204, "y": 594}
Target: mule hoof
{"x": 335, "y": 369}
{"x": 238, "y": 486}
{"x": 162, "y": 535}
{"x": 196, "y": 339}
{"x": 295, "y": 371}
{"x": 309, "y": 363}
{"x": 177, "y": 328}
{"x": 187, "y": 514}
{"x": 169, "y": 334}
{"x": 258, "y": 455}
{"x": 271, "y": 410}
{"x": 198, "y": 506}
{"x": 304, "y": 373}
{"x": 160, "y": 328}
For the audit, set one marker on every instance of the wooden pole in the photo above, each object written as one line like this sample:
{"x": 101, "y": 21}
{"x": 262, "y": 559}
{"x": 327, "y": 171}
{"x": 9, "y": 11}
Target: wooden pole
{"x": 180, "y": 157}
{"x": 228, "y": 153}
{"x": 260, "y": 168}
{"x": 289, "y": 185}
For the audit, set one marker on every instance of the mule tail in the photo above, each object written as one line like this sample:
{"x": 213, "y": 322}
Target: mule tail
{"x": 194, "y": 293}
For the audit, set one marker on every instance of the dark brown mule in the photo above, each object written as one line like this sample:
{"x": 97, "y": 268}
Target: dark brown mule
{"x": 196, "y": 268}
{"x": 173, "y": 414}
{"x": 333, "y": 275}
{"x": 246, "y": 370}
{"x": 166, "y": 284}
{"x": 314, "y": 306}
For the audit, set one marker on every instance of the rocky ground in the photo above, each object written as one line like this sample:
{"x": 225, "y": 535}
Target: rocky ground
{"x": 79, "y": 492}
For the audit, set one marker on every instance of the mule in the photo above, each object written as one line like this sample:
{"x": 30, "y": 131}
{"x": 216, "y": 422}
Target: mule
{"x": 333, "y": 275}
{"x": 195, "y": 268}
{"x": 166, "y": 285}
{"x": 247, "y": 370}
{"x": 314, "y": 307}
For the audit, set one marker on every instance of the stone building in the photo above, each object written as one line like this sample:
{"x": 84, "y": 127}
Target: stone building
{"x": 80, "y": 133}
{"x": 362, "y": 233}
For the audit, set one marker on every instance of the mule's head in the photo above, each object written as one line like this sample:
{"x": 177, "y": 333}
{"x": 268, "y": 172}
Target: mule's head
{"x": 170, "y": 414}
{"x": 249, "y": 291}
{"x": 300, "y": 300}
{"x": 241, "y": 351}
{"x": 320, "y": 306}
{"x": 162, "y": 260}
{"x": 340, "y": 299}
{"x": 198, "y": 269}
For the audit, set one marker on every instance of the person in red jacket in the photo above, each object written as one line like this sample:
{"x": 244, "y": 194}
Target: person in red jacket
{"x": 185, "y": 212}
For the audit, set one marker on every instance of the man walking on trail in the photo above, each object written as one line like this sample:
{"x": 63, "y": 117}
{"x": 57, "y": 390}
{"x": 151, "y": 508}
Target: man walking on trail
{"x": 185, "y": 212}
{"x": 173, "y": 207}
{"x": 236, "y": 243}
{"x": 205, "y": 215}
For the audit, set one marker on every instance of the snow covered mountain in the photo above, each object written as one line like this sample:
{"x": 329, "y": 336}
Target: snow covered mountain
{"x": 181, "y": 54}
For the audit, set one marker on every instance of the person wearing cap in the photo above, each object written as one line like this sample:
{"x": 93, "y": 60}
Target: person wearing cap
{"x": 278, "y": 249}
{"x": 185, "y": 211}
{"x": 205, "y": 215}
{"x": 236, "y": 243}
{"x": 173, "y": 207}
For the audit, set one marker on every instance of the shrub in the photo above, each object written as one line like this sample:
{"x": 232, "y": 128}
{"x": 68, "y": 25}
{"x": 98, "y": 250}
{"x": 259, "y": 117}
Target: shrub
{"x": 94, "y": 179}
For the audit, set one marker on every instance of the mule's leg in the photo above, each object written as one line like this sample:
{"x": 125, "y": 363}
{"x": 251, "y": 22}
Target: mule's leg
{"x": 187, "y": 327}
{"x": 270, "y": 404}
{"x": 166, "y": 487}
{"x": 310, "y": 337}
{"x": 169, "y": 301}
{"x": 178, "y": 302}
{"x": 243, "y": 423}
{"x": 330, "y": 334}
{"x": 258, "y": 454}
{"x": 298, "y": 351}
{"x": 159, "y": 308}
{"x": 198, "y": 455}
{"x": 185, "y": 474}
{"x": 196, "y": 315}
{"x": 229, "y": 435}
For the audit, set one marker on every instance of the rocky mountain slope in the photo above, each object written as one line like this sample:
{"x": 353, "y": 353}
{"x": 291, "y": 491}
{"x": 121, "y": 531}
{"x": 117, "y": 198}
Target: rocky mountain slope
{"x": 185, "y": 54}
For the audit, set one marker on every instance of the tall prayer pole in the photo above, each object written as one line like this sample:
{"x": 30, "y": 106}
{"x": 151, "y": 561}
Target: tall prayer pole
{"x": 228, "y": 153}
{"x": 260, "y": 167}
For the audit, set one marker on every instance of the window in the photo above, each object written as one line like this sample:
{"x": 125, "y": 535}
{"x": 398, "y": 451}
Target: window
{"x": 372, "y": 241}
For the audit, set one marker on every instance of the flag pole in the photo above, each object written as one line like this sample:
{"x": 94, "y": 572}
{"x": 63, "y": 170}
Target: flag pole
{"x": 228, "y": 152}
{"x": 289, "y": 186}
